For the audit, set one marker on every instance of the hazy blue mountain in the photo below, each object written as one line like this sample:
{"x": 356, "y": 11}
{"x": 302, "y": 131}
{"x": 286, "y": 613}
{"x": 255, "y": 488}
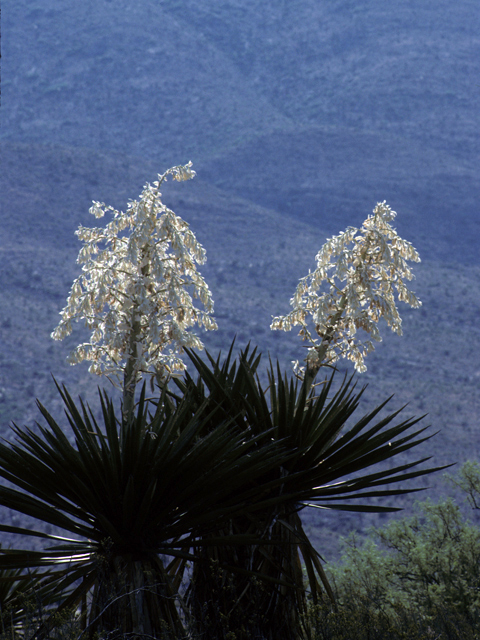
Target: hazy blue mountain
{"x": 314, "y": 109}
{"x": 298, "y": 117}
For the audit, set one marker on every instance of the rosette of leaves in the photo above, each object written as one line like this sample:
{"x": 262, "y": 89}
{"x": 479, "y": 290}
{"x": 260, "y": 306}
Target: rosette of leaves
{"x": 215, "y": 476}
{"x": 133, "y": 503}
{"x": 260, "y": 588}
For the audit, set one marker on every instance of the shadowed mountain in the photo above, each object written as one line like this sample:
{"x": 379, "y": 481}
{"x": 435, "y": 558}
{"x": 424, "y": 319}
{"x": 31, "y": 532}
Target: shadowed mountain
{"x": 298, "y": 117}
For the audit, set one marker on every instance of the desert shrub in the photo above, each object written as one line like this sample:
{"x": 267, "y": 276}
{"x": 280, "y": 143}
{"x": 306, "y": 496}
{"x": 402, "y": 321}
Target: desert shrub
{"x": 417, "y": 577}
{"x": 361, "y": 622}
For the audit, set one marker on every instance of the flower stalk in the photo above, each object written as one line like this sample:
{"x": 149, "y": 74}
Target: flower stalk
{"x": 359, "y": 273}
{"x": 131, "y": 371}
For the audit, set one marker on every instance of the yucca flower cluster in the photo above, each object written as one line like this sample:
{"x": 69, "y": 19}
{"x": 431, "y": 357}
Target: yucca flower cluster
{"x": 137, "y": 288}
{"x": 358, "y": 273}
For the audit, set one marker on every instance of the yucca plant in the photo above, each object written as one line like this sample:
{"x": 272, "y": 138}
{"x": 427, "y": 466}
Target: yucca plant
{"x": 129, "y": 498}
{"x": 214, "y": 475}
{"x": 327, "y": 465}
{"x": 218, "y": 473}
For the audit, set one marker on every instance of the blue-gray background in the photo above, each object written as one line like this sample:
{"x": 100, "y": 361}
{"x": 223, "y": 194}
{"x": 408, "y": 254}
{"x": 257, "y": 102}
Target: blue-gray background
{"x": 298, "y": 117}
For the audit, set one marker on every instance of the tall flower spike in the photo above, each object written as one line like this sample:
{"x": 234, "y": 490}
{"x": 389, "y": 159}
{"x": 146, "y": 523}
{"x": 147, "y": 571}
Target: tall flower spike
{"x": 358, "y": 273}
{"x": 137, "y": 288}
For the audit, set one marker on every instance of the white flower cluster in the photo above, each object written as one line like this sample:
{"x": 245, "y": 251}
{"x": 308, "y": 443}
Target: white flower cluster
{"x": 353, "y": 287}
{"x": 133, "y": 293}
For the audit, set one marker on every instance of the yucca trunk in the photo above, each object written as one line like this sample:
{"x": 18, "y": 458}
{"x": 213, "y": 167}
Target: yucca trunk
{"x": 134, "y": 597}
{"x": 252, "y": 591}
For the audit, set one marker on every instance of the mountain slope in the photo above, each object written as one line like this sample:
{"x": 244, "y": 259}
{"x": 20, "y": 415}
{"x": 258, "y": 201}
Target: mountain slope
{"x": 255, "y": 258}
{"x": 298, "y": 117}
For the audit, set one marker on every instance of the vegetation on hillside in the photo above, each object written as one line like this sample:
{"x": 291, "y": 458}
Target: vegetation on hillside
{"x": 415, "y": 578}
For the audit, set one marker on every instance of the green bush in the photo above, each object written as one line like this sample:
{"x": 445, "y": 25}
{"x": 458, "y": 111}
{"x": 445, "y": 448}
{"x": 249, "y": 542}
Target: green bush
{"x": 417, "y": 577}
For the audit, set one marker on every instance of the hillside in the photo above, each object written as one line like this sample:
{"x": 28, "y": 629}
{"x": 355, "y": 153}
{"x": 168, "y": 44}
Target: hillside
{"x": 255, "y": 257}
{"x": 298, "y": 118}
{"x": 311, "y": 109}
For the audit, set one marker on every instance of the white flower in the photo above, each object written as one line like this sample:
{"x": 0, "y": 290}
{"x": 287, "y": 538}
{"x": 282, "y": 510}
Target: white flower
{"x": 137, "y": 286}
{"x": 358, "y": 273}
